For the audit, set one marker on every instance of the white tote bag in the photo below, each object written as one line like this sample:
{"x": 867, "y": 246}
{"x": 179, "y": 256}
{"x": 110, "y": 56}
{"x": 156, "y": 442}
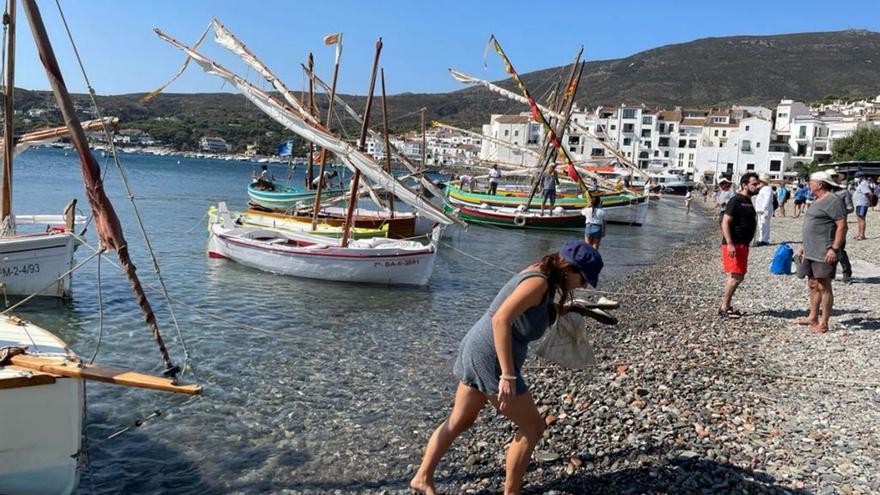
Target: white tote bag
{"x": 566, "y": 343}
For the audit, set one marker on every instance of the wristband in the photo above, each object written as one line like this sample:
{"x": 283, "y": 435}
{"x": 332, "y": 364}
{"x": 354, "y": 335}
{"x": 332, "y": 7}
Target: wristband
{"x": 508, "y": 377}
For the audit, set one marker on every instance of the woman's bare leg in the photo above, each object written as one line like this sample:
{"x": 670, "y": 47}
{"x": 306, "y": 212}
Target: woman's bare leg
{"x": 468, "y": 403}
{"x": 525, "y": 415}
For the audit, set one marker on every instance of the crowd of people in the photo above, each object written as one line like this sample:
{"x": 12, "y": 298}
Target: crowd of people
{"x": 824, "y": 201}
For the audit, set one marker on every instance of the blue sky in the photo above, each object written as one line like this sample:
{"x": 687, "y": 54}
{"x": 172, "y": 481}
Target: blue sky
{"x": 422, "y": 39}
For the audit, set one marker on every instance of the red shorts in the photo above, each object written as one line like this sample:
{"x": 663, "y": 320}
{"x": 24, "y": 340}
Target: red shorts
{"x": 737, "y": 264}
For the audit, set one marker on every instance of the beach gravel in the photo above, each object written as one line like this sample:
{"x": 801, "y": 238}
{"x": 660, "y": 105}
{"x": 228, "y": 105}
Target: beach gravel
{"x": 684, "y": 401}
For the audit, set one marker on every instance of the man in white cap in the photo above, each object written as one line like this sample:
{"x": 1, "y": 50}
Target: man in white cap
{"x": 725, "y": 194}
{"x": 824, "y": 231}
{"x": 764, "y": 209}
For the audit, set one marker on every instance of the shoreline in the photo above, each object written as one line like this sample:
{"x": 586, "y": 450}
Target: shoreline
{"x": 685, "y": 401}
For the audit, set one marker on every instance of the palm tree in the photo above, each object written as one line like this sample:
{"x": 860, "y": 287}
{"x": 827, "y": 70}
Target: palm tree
{"x": 804, "y": 170}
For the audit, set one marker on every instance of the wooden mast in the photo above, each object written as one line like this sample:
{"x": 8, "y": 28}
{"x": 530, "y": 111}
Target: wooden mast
{"x": 387, "y": 141}
{"x": 106, "y": 222}
{"x": 323, "y": 156}
{"x": 352, "y": 200}
{"x": 310, "y": 172}
{"x": 8, "y": 124}
{"x": 423, "y": 165}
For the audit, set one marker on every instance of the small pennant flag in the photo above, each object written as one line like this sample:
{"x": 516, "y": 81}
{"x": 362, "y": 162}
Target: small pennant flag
{"x": 332, "y": 39}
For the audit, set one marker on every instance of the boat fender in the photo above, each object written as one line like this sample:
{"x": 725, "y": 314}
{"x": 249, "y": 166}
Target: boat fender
{"x": 521, "y": 208}
{"x": 519, "y": 220}
{"x": 558, "y": 210}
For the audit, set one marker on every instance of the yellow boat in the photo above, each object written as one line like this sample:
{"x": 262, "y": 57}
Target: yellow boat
{"x": 280, "y": 221}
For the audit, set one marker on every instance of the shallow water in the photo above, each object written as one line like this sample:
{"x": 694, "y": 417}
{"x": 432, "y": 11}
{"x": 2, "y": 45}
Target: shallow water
{"x": 309, "y": 385}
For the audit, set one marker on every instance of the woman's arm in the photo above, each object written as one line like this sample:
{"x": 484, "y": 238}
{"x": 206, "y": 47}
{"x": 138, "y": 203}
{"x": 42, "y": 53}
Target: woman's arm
{"x": 530, "y": 292}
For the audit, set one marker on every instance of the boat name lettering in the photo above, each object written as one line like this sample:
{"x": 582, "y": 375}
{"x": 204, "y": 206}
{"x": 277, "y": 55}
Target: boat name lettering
{"x": 14, "y": 271}
{"x": 390, "y": 264}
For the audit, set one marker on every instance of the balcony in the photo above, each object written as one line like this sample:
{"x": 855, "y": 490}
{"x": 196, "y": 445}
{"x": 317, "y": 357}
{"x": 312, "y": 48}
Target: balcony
{"x": 779, "y": 148}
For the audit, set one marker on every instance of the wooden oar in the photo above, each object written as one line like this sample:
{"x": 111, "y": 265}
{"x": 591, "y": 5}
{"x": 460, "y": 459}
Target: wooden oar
{"x": 63, "y": 367}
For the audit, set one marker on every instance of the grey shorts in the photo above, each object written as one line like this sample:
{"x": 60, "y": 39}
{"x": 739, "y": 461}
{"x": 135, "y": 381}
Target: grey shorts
{"x": 816, "y": 269}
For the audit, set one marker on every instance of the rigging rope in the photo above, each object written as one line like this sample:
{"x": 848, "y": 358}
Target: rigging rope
{"x": 114, "y": 152}
{"x": 100, "y": 312}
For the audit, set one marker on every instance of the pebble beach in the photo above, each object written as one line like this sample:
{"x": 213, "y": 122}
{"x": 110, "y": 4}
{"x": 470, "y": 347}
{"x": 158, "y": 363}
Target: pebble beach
{"x": 684, "y": 401}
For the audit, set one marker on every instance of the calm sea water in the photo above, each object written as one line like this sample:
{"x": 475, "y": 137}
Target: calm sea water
{"x": 309, "y": 385}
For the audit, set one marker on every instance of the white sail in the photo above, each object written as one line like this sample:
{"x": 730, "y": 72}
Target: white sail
{"x": 290, "y": 119}
{"x": 226, "y": 39}
{"x": 375, "y": 135}
{"x": 466, "y": 79}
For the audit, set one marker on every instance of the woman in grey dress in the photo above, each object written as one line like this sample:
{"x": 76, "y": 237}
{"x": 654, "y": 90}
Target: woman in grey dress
{"x": 492, "y": 353}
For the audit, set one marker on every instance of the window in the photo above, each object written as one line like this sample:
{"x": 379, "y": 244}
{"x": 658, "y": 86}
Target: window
{"x": 671, "y": 127}
{"x": 758, "y": 144}
{"x": 803, "y": 132}
{"x": 681, "y": 156}
{"x": 573, "y": 149}
{"x": 597, "y": 152}
{"x": 682, "y": 143}
{"x": 646, "y": 119}
{"x": 723, "y": 133}
{"x": 646, "y": 133}
{"x": 664, "y": 141}
{"x": 690, "y": 156}
{"x": 613, "y": 127}
{"x": 629, "y": 113}
{"x": 692, "y": 143}
{"x": 747, "y": 128}
{"x": 506, "y": 132}
{"x": 666, "y": 154}
{"x": 775, "y": 165}
{"x": 719, "y": 120}
{"x": 516, "y": 133}
{"x": 574, "y": 139}
{"x": 746, "y": 145}
{"x": 750, "y": 167}
{"x": 716, "y": 132}
{"x": 657, "y": 153}
{"x": 782, "y": 116}
{"x": 627, "y": 141}
{"x": 628, "y": 127}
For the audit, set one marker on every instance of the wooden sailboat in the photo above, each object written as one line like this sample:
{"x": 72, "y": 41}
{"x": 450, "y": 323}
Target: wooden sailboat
{"x": 42, "y": 389}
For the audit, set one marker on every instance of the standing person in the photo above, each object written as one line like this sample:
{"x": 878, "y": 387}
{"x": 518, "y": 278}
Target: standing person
{"x": 596, "y": 220}
{"x": 824, "y": 231}
{"x": 862, "y": 201}
{"x": 800, "y": 198}
{"x": 704, "y": 190}
{"x": 494, "y": 175}
{"x": 843, "y": 193}
{"x": 764, "y": 208}
{"x": 738, "y": 224}
{"x": 781, "y": 197}
{"x": 492, "y": 353}
{"x": 688, "y": 197}
{"x": 876, "y": 199}
{"x": 549, "y": 180}
{"x": 725, "y": 194}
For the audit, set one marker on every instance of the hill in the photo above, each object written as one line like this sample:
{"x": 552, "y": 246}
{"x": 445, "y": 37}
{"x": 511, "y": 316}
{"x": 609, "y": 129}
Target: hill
{"x": 757, "y": 70}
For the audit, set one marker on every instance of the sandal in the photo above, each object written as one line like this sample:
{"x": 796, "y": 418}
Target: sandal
{"x": 729, "y": 313}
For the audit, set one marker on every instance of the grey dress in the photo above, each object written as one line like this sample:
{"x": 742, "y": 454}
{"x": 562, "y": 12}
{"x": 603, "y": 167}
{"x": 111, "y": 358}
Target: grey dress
{"x": 477, "y": 364}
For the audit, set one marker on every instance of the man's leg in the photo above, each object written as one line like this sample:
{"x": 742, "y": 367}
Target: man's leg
{"x": 861, "y": 221}
{"x": 826, "y": 296}
{"x": 733, "y": 282}
{"x": 843, "y": 257}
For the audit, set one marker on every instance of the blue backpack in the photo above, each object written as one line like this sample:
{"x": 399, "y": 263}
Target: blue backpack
{"x": 781, "y": 264}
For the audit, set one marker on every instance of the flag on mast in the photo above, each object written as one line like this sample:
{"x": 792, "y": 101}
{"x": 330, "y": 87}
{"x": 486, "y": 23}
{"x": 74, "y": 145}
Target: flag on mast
{"x": 335, "y": 39}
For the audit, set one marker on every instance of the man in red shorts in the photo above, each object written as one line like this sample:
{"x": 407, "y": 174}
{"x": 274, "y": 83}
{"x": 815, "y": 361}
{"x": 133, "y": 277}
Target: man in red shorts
{"x": 738, "y": 224}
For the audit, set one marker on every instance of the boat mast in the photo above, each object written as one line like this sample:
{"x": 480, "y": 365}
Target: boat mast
{"x": 424, "y": 149}
{"x": 323, "y": 156}
{"x": 310, "y": 172}
{"x": 352, "y": 201}
{"x": 106, "y": 221}
{"x": 387, "y": 141}
{"x": 8, "y": 125}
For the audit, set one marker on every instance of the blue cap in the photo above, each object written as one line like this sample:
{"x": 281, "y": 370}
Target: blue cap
{"x": 584, "y": 257}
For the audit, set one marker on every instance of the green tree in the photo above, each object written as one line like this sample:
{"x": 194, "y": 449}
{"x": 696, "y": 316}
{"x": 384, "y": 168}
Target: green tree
{"x": 864, "y": 144}
{"x": 804, "y": 170}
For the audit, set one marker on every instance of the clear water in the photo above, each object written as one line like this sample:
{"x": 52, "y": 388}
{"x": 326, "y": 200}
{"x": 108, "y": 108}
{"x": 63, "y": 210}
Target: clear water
{"x": 310, "y": 386}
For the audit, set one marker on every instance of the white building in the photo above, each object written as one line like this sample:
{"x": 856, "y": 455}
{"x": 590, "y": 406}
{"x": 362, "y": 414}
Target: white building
{"x": 214, "y": 145}
{"x": 520, "y": 131}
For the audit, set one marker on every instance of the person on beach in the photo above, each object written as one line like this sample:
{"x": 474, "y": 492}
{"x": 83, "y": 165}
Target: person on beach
{"x": 549, "y": 180}
{"x": 264, "y": 181}
{"x": 494, "y": 175}
{"x": 466, "y": 183}
{"x": 704, "y": 190}
{"x": 782, "y": 196}
{"x": 738, "y": 224}
{"x": 596, "y": 220}
{"x": 845, "y": 196}
{"x": 725, "y": 194}
{"x": 492, "y": 353}
{"x": 688, "y": 197}
{"x": 764, "y": 209}
{"x": 876, "y": 199}
{"x": 800, "y": 198}
{"x": 862, "y": 201}
{"x": 824, "y": 231}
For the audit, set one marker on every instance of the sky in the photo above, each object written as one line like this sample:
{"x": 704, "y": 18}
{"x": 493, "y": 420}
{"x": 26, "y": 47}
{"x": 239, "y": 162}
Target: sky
{"x": 421, "y": 39}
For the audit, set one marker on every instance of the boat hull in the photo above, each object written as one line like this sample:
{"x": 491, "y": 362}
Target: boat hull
{"x": 40, "y": 421}
{"x": 376, "y": 260}
{"x": 288, "y": 199}
{"x": 35, "y": 263}
{"x": 295, "y": 223}
{"x": 520, "y": 220}
{"x": 401, "y": 226}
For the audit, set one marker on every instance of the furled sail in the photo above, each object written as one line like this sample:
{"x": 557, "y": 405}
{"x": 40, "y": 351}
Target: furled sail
{"x": 295, "y": 121}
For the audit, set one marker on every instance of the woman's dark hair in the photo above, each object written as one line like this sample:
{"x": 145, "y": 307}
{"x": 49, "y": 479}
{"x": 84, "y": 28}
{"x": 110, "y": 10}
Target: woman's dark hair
{"x": 556, "y": 268}
{"x": 595, "y": 201}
